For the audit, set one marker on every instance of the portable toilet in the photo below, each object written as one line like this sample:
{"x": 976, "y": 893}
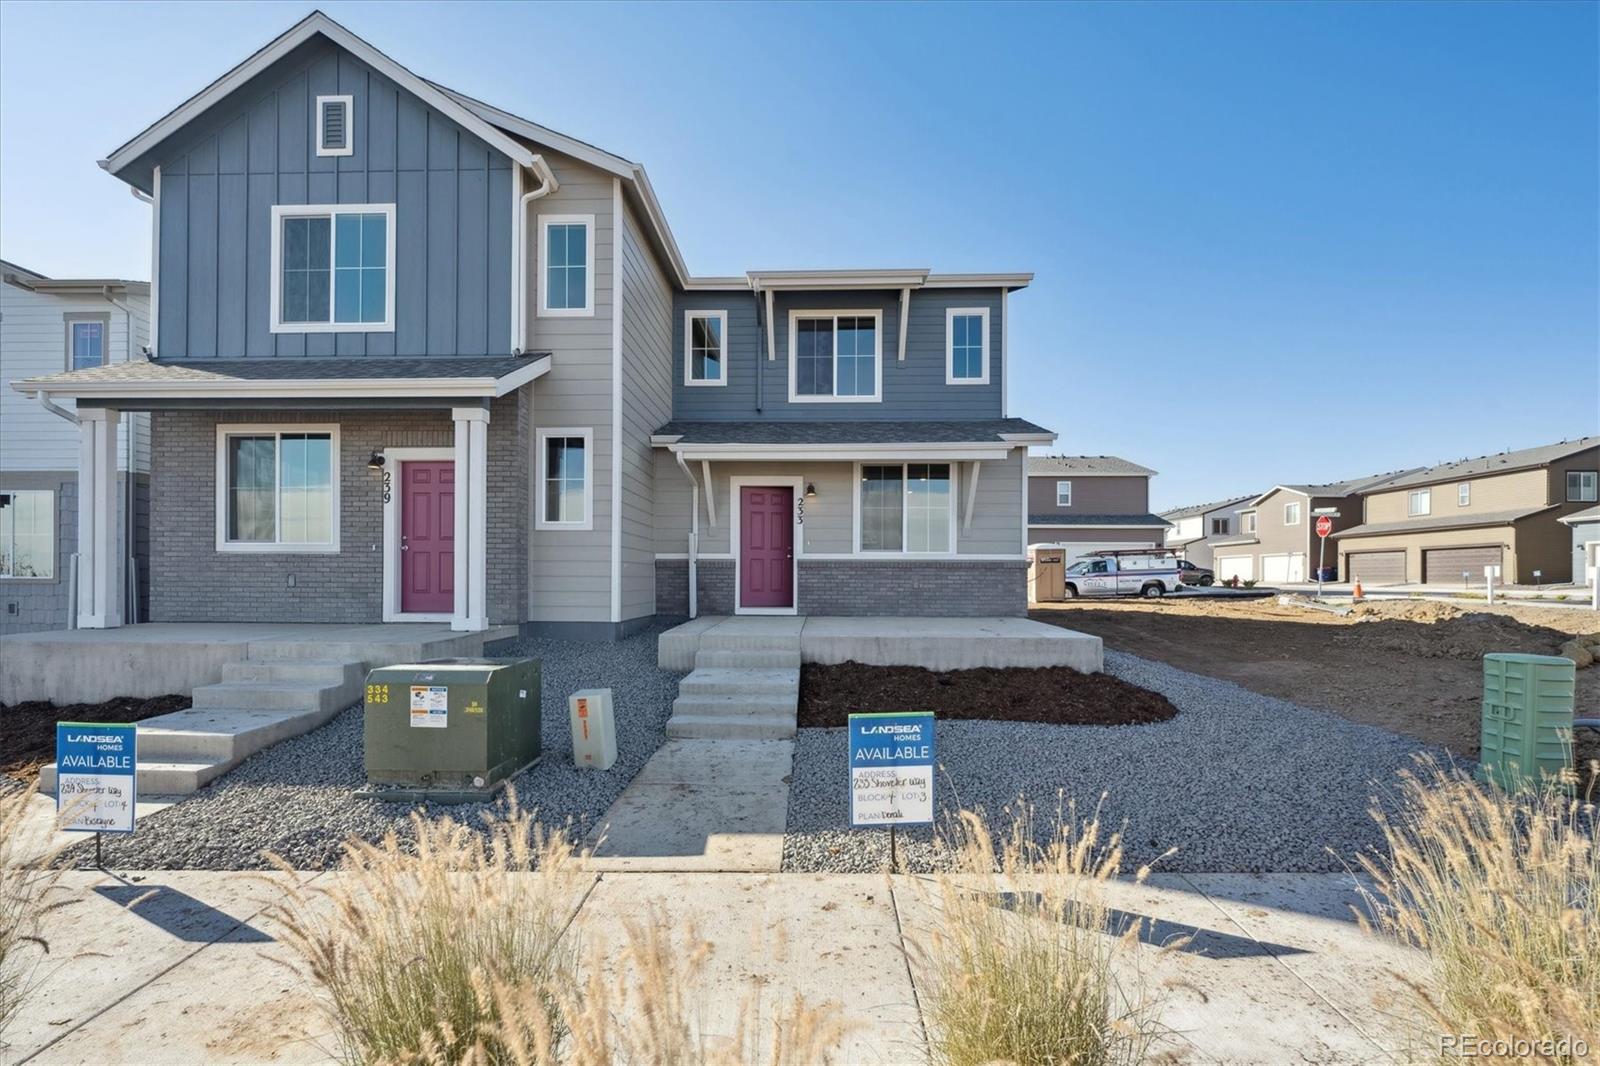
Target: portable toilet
{"x": 1049, "y": 575}
{"x": 1528, "y": 705}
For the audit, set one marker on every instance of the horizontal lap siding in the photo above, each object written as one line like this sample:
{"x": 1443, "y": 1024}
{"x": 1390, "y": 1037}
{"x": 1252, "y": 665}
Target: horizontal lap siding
{"x": 646, "y": 404}
{"x": 452, "y": 219}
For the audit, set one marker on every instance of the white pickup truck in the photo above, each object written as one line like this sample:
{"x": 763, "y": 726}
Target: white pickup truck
{"x": 1150, "y": 572}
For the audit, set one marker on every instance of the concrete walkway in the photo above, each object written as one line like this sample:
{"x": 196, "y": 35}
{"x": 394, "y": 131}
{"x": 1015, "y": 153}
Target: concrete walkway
{"x": 1275, "y": 970}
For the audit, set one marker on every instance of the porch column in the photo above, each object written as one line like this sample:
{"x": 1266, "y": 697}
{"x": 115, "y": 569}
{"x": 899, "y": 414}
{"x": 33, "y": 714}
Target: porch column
{"x": 99, "y": 590}
{"x": 471, "y": 611}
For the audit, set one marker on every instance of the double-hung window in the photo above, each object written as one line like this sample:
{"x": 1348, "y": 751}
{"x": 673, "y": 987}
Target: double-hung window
{"x": 966, "y": 344}
{"x": 1247, "y": 522}
{"x": 1464, "y": 494}
{"x": 278, "y": 488}
{"x": 28, "y": 533}
{"x": 333, "y": 268}
{"x": 1063, "y": 494}
{"x": 566, "y": 486}
{"x": 566, "y": 271}
{"x": 1583, "y": 486}
{"x": 705, "y": 341}
{"x": 907, "y": 508}
{"x": 1419, "y": 502}
{"x": 86, "y": 340}
{"x": 1291, "y": 514}
{"x": 834, "y": 357}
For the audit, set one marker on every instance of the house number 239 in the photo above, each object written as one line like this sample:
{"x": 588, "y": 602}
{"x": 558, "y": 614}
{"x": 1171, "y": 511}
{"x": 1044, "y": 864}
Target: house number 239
{"x": 388, "y": 485}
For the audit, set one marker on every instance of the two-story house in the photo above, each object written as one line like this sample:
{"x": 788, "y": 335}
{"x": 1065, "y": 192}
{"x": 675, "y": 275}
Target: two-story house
{"x": 1277, "y": 542}
{"x": 50, "y": 326}
{"x": 1194, "y": 531}
{"x": 416, "y": 358}
{"x": 1087, "y": 503}
{"x": 1444, "y": 524}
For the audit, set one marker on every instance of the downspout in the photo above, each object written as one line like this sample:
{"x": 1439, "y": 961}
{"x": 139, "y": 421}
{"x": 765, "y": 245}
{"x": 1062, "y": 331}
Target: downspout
{"x": 547, "y": 185}
{"x": 132, "y": 596}
{"x": 694, "y": 534}
{"x": 761, "y": 342}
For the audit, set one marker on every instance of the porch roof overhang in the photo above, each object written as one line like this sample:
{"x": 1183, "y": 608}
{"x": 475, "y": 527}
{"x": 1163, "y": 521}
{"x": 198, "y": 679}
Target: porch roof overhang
{"x": 354, "y": 380}
{"x": 849, "y": 441}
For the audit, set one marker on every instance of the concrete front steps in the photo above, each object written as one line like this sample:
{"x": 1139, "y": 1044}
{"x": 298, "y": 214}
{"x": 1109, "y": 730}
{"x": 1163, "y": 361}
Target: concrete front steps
{"x": 743, "y": 687}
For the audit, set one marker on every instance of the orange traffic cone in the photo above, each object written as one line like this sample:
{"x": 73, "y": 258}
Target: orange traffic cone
{"x": 1356, "y": 592}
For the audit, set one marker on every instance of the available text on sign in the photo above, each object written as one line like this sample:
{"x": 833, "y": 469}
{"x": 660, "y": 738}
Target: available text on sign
{"x": 95, "y": 767}
{"x": 891, "y": 769}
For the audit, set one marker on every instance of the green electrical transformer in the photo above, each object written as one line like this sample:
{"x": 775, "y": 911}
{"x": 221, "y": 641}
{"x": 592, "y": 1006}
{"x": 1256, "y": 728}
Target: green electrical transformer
{"x": 1528, "y": 705}
{"x": 450, "y": 730}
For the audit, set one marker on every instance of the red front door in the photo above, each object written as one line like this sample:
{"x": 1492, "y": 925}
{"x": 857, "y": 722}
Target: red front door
{"x": 427, "y": 537}
{"x": 766, "y": 547}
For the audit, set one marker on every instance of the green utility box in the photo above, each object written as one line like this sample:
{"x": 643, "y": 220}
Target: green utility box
{"x": 450, "y": 730}
{"x": 1527, "y": 717}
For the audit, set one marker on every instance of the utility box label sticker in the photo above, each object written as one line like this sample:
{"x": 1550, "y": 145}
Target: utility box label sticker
{"x": 95, "y": 776}
{"x": 891, "y": 769}
{"x": 430, "y": 706}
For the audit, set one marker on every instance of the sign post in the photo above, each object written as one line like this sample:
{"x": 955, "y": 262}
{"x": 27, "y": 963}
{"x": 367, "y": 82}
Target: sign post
{"x": 1324, "y": 527}
{"x": 96, "y": 778}
{"x": 891, "y": 771}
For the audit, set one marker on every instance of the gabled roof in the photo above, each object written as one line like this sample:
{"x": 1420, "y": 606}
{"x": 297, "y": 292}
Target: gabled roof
{"x": 1203, "y": 508}
{"x": 1424, "y": 525}
{"x": 1337, "y": 488}
{"x": 1086, "y": 466}
{"x": 1590, "y": 514}
{"x": 1501, "y": 463}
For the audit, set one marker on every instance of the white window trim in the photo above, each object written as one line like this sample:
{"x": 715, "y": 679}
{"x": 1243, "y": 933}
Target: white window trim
{"x": 1424, "y": 495}
{"x": 688, "y": 351}
{"x": 392, "y": 460}
{"x": 283, "y": 211}
{"x": 1464, "y": 494}
{"x": 1247, "y": 524}
{"x": 877, "y": 359}
{"x": 950, "y": 345}
{"x": 541, "y": 466}
{"x": 905, "y": 512}
{"x": 349, "y": 103}
{"x": 735, "y": 524}
{"x": 1286, "y": 507}
{"x": 545, "y": 310}
{"x": 1068, "y": 501}
{"x": 54, "y": 534}
{"x": 74, "y": 319}
{"x": 1594, "y": 479}
{"x": 276, "y": 429}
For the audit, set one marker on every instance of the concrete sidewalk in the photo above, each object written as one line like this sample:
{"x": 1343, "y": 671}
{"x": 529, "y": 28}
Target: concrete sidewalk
{"x": 1275, "y": 969}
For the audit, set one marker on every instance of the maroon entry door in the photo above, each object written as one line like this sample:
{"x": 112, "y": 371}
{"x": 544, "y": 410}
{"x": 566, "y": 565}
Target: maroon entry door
{"x": 766, "y": 547}
{"x": 427, "y": 537}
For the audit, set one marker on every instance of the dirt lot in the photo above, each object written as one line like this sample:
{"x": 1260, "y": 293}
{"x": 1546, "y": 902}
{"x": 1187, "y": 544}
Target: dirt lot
{"x": 1057, "y": 695}
{"x": 1411, "y": 666}
{"x": 28, "y": 730}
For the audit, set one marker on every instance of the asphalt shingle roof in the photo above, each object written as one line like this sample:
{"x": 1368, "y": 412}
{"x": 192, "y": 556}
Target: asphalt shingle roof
{"x": 165, "y": 371}
{"x": 1590, "y": 514}
{"x": 1097, "y": 520}
{"x": 1495, "y": 464}
{"x": 1424, "y": 525}
{"x": 773, "y": 431}
{"x": 1202, "y": 508}
{"x": 1085, "y": 464}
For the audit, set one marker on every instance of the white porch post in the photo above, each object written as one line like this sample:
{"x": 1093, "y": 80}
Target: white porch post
{"x": 99, "y": 590}
{"x": 471, "y": 610}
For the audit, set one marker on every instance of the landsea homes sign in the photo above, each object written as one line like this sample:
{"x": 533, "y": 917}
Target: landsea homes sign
{"x": 95, "y": 768}
{"x": 891, "y": 769}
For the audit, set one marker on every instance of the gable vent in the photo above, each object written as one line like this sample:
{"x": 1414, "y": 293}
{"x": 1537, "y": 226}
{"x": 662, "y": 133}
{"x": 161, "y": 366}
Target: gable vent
{"x": 333, "y": 125}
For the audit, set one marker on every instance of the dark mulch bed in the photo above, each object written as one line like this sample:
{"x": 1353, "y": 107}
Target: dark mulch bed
{"x": 1057, "y": 695}
{"x": 28, "y": 730}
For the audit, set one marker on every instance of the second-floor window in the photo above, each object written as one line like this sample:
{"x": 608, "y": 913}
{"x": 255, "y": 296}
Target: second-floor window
{"x": 966, "y": 346}
{"x": 1219, "y": 526}
{"x": 705, "y": 338}
{"x": 1583, "y": 486}
{"x": 1247, "y": 522}
{"x": 566, "y": 274}
{"x": 1291, "y": 514}
{"x": 1063, "y": 494}
{"x": 333, "y": 268}
{"x": 1419, "y": 502}
{"x": 86, "y": 341}
{"x": 1464, "y": 494}
{"x": 833, "y": 357}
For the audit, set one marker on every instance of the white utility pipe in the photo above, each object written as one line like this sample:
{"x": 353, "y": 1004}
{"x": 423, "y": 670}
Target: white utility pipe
{"x": 694, "y": 535}
{"x": 547, "y": 185}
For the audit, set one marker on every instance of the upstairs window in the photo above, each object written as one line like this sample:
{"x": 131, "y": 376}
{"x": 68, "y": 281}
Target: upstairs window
{"x": 86, "y": 341}
{"x": 1247, "y": 522}
{"x": 966, "y": 340}
{"x": 834, "y": 357}
{"x": 1063, "y": 494}
{"x": 1291, "y": 514}
{"x": 1419, "y": 502}
{"x": 28, "y": 533}
{"x": 906, "y": 508}
{"x": 1464, "y": 494}
{"x": 278, "y": 488}
{"x": 566, "y": 281}
{"x": 335, "y": 119}
{"x": 333, "y": 268}
{"x": 1582, "y": 486}
{"x": 1220, "y": 527}
{"x": 705, "y": 338}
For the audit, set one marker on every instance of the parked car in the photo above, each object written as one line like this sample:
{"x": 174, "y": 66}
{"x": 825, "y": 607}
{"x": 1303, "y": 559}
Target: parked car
{"x": 1150, "y": 572}
{"x": 1190, "y": 574}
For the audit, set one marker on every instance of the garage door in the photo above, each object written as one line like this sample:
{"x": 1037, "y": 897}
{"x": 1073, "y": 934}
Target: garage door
{"x": 1283, "y": 569}
{"x": 1242, "y": 567}
{"x": 1378, "y": 568}
{"x": 1444, "y": 566}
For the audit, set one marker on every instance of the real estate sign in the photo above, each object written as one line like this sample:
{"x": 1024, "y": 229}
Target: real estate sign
{"x": 891, "y": 769}
{"x": 95, "y": 784}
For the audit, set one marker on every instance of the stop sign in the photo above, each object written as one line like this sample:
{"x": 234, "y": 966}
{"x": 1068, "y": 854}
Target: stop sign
{"x": 1324, "y": 526}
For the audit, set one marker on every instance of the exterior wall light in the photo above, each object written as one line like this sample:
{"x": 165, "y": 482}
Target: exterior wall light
{"x": 811, "y": 490}
{"x": 375, "y": 462}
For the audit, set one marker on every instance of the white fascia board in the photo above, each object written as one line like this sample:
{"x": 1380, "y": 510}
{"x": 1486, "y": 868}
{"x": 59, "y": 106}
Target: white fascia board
{"x": 1046, "y": 437}
{"x": 315, "y": 23}
{"x": 839, "y": 452}
{"x": 978, "y": 281}
{"x": 474, "y": 388}
{"x": 912, "y": 278}
{"x": 1276, "y": 488}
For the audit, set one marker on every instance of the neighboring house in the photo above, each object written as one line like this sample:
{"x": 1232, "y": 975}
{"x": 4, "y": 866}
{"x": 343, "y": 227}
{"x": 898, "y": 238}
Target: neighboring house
{"x": 1277, "y": 542}
{"x": 416, "y": 358}
{"x": 1090, "y": 502}
{"x": 49, "y": 326}
{"x": 1440, "y": 523}
{"x": 1194, "y": 530}
{"x": 1585, "y": 526}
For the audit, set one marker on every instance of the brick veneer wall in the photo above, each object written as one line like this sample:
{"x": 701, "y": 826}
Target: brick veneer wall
{"x": 190, "y": 581}
{"x": 864, "y": 587}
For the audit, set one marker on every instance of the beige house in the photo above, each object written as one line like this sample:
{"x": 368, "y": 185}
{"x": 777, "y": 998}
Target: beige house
{"x": 1444, "y": 524}
{"x": 1278, "y": 543}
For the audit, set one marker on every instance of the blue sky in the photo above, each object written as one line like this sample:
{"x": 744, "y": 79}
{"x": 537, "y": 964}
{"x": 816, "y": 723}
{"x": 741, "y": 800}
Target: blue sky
{"x": 1289, "y": 242}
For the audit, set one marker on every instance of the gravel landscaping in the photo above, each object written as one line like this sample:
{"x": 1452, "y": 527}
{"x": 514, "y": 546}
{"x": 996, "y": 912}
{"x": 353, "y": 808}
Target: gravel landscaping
{"x": 296, "y": 798}
{"x": 1236, "y": 782}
